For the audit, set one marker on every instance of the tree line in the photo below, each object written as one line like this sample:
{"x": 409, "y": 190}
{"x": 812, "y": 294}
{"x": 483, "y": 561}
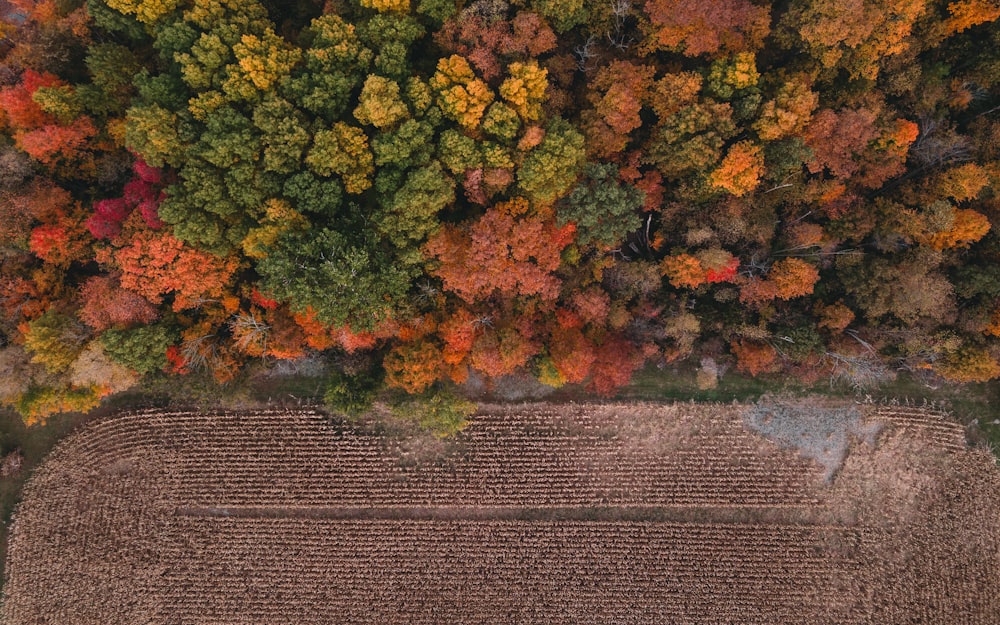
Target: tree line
{"x": 564, "y": 188}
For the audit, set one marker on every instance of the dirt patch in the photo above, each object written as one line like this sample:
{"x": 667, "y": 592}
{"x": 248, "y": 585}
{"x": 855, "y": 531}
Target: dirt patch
{"x": 818, "y": 429}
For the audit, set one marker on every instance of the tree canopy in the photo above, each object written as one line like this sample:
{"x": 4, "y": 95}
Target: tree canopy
{"x": 560, "y": 189}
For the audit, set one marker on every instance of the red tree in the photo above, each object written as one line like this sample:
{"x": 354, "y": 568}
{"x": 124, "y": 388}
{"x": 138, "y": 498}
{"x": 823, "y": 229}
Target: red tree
{"x": 155, "y": 264}
{"x": 572, "y": 354}
{"x": 500, "y": 253}
{"x": 106, "y": 304}
{"x": 17, "y": 106}
{"x": 616, "y": 359}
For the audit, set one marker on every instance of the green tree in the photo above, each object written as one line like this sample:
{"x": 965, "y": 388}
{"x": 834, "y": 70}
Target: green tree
{"x": 603, "y": 208}
{"x": 284, "y": 135}
{"x": 409, "y": 145}
{"x": 334, "y": 63}
{"x": 151, "y": 132}
{"x": 343, "y": 281}
{"x": 343, "y": 150}
{"x": 441, "y": 412}
{"x": 553, "y": 167}
{"x": 142, "y": 349}
{"x": 410, "y": 215}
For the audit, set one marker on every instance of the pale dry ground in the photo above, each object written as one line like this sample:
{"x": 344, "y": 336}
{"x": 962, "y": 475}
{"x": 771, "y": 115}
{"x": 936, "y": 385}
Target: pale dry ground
{"x": 537, "y": 513}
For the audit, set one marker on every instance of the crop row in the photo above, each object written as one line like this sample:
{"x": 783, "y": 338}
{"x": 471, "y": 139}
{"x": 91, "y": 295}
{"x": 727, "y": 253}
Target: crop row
{"x": 279, "y": 571}
{"x": 943, "y": 432}
{"x": 299, "y": 458}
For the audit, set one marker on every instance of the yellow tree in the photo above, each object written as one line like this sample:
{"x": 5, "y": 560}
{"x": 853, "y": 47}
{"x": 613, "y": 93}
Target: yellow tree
{"x": 788, "y": 113}
{"x": 525, "y": 89}
{"x": 387, "y": 6}
{"x": 380, "y": 103}
{"x": 461, "y": 96}
{"x": 145, "y": 11}
{"x": 261, "y": 62}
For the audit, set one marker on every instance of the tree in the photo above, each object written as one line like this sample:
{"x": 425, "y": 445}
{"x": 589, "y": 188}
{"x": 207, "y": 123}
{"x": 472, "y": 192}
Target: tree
{"x": 501, "y": 351}
{"x": 525, "y": 88}
{"x": 563, "y": 14}
{"x": 341, "y": 280}
{"x": 484, "y": 39}
{"x": 284, "y": 137}
{"x": 550, "y": 170}
{"x": 755, "y": 358}
{"x": 967, "y": 227}
{"x": 151, "y": 132}
{"x": 409, "y": 145}
{"x": 342, "y": 150}
{"x": 855, "y": 35}
{"x": 55, "y": 340}
{"x": 458, "y": 332}
{"x": 380, "y": 104}
{"x": 278, "y": 218}
{"x": 262, "y": 62}
{"x": 57, "y": 146}
{"x": 156, "y": 264}
{"x": 838, "y": 140}
{"x": 965, "y": 14}
{"x": 602, "y": 208}
{"x": 788, "y": 113}
{"x": 573, "y": 355}
{"x": 409, "y": 216}
{"x": 439, "y": 411}
{"x": 19, "y": 109}
{"x": 616, "y": 359}
{"x": 962, "y": 183}
{"x": 617, "y": 94}
{"x": 690, "y": 132}
{"x": 683, "y": 270}
{"x": 968, "y": 364}
{"x": 461, "y": 96}
{"x": 41, "y": 401}
{"x": 352, "y": 395}
{"x": 334, "y": 62}
{"x": 740, "y": 170}
{"x": 697, "y": 28}
{"x": 94, "y": 368}
{"x": 145, "y": 11}
{"x": 60, "y": 242}
{"x": 105, "y": 304}
{"x": 391, "y": 35}
{"x": 500, "y": 252}
{"x": 792, "y": 277}
{"x": 413, "y": 367}
{"x": 458, "y": 152}
{"x": 908, "y": 287}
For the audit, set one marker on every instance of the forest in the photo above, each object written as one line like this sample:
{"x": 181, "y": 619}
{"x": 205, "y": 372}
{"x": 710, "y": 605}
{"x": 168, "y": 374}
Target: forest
{"x": 570, "y": 189}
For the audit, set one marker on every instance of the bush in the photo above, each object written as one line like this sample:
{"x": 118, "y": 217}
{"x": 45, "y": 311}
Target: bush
{"x": 351, "y": 395}
{"x": 442, "y": 412}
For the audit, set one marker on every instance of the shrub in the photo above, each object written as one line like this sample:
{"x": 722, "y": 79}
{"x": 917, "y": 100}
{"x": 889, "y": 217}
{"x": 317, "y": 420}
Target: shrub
{"x": 351, "y": 395}
{"x": 441, "y": 412}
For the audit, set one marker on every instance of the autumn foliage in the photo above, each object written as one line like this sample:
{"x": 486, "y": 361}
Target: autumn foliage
{"x": 453, "y": 193}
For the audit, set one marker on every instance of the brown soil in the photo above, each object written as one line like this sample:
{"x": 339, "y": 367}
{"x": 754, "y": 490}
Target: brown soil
{"x": 536, "y": 513}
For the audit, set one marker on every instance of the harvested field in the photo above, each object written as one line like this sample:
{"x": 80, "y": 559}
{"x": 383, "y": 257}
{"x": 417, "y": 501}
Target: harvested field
{"x": 537, "y": 513}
